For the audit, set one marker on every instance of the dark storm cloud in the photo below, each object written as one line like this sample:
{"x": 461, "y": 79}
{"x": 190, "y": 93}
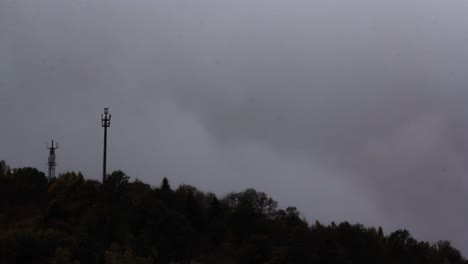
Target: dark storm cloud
{"x": 351, "y": 110}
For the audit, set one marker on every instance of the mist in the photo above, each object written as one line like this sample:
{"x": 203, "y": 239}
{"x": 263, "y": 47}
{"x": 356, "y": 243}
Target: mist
{"x": 349, "y": 110}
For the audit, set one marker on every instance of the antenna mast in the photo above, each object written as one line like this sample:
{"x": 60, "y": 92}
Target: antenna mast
{"x": 105, "y": 122}
{"x": 51, "y": 162}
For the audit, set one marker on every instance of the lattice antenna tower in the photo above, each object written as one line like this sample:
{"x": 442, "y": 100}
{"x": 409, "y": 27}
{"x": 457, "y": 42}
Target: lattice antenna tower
{"x": 52, "y": 162}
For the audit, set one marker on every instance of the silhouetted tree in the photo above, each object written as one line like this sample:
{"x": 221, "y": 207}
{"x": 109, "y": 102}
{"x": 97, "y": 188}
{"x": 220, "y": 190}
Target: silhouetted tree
{"x": 71, "y": 220}
{"x": 165, "y": 185}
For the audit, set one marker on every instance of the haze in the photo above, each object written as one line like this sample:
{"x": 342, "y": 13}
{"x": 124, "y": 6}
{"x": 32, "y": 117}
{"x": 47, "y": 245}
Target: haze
{"x": 349, "y": 110}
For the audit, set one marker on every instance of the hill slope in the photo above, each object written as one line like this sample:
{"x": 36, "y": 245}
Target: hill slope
{"x": 73, "y": 220}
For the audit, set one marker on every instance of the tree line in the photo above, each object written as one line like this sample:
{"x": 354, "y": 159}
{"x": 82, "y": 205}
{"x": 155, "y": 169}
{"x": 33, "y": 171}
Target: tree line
{"x": 70, "y": 219}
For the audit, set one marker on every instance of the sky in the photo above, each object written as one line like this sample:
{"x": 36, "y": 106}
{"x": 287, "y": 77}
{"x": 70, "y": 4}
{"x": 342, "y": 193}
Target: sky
{"x": 349, "y": 110}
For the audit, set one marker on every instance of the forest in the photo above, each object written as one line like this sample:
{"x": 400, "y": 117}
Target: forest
{"x": 71, "y": 219}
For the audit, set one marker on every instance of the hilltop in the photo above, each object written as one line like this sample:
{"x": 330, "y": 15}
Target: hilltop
{"x": 71, "y": 219}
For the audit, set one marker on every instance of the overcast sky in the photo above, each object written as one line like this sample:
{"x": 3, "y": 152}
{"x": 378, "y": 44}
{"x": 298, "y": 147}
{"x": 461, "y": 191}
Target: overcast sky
{"x": 350, "y": 110}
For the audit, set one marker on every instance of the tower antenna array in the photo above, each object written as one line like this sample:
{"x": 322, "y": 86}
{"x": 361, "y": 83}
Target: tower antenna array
{"x": 51, "y": 162}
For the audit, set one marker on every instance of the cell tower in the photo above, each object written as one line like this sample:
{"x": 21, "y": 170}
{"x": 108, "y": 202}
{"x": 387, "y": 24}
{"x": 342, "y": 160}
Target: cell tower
{"x": 51, "y": 162}
{"x": 105, "y": 122}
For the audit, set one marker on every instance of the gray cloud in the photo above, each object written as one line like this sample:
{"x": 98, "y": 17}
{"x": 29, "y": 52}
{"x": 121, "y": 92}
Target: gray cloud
{"x": 351, "y": 110}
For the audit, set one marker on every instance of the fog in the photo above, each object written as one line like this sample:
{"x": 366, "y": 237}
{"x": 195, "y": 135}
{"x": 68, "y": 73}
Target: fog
{"x": 349, "y": 110}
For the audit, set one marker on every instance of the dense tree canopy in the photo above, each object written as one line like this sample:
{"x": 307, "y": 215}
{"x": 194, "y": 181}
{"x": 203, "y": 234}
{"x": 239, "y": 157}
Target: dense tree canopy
{"x": 73, "y": 220}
